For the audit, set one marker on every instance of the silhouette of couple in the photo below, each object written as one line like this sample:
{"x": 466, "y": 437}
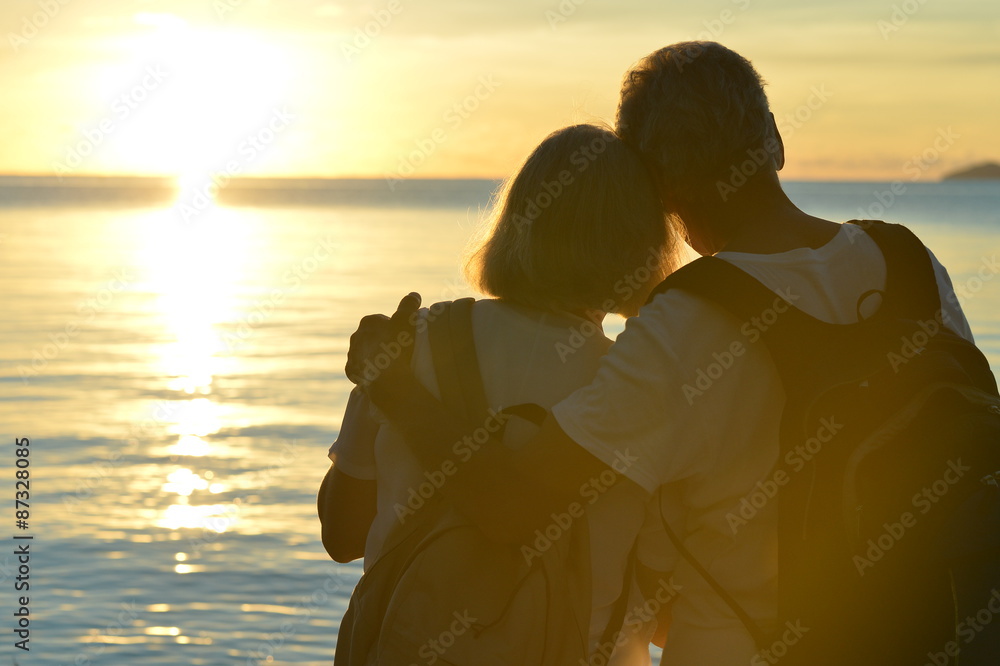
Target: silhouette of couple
{"x": 661, "y": 440}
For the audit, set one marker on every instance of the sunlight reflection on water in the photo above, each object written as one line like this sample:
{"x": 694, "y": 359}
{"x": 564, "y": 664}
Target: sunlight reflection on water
{"x": 183, "y": 429}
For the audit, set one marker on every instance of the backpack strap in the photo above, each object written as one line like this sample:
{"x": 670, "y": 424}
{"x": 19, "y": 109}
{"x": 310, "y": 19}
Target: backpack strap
{"x": 722, "y": 282}
{"x": 794, "y": 337}
{"x": 451, "y": 370}
{"x": 616, "y": 621}
{"x": 759, "y": 637}
{"x": 453, "y": 350}
{"x": 456, "y": 370}
{"x": 745, "y": 297}
{"x": 911, "y": 290}
{"x": 464, "y": 352}
{"x": 911, "y": 285}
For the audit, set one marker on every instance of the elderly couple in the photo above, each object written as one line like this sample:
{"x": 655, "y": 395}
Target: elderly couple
{"x": 659, "y": 439}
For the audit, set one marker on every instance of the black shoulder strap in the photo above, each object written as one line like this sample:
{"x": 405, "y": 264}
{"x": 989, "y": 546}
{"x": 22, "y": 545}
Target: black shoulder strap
{"x": 464, "y": 351}
{"x": 911, "y": 285}
{"x": 911, "y": 289}
{"x": 722, "y": 282}
{"x": 759, "y": 637}
{"x": 452, "y": 369}
{"x": 795, "y": 339}
{"x": 453, "y": 350}
{"x": 445, "y": 369}
{"x": 782, "y": 326}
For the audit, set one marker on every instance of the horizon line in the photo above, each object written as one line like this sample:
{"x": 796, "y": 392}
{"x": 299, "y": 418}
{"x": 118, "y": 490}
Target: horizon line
{"x": 164, "y": 179}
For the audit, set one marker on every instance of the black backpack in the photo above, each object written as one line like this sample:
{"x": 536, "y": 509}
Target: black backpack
{"x": 889, "y": 520}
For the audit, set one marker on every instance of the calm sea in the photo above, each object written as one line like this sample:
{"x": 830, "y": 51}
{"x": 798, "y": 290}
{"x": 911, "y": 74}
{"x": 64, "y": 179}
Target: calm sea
{"x": 181, "y": 379}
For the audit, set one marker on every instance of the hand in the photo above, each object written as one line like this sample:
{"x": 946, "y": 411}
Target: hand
{"x": 382, "y": 344}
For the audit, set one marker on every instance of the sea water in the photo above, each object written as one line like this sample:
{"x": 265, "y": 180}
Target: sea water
{"x": 180, "y": 378}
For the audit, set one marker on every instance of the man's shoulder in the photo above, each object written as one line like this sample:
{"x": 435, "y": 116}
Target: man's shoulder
{"x": 824, "y": 282}
{"x": 683, "y": 322}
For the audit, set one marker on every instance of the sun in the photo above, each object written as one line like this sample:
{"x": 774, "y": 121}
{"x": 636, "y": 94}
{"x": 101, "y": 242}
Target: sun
{"x": 202, "y": 102}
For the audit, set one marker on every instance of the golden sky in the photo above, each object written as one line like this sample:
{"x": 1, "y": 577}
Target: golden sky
{"x": 862, "y": 89}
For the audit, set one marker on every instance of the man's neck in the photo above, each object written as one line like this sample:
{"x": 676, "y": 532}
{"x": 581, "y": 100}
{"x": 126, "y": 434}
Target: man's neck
{"x": 780, "y": 231}
{"x": 765, "y": 224}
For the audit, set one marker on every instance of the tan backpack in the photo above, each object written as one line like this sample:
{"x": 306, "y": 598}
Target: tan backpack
{"x": 441, "y": 592}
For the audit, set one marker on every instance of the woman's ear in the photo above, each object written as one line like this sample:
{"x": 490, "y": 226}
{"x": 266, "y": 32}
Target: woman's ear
{"x": 778, "y": 154}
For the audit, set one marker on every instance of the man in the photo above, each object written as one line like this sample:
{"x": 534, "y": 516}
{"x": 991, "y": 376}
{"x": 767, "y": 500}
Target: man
{"x": 687, "y": 403}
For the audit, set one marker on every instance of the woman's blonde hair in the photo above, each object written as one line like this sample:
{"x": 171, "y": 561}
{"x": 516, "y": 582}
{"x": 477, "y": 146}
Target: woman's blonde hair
{"x": 579, "y": 227}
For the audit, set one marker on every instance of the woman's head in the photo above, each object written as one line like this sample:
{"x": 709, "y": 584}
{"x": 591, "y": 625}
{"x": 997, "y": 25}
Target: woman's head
{"x": 579, "y": 227}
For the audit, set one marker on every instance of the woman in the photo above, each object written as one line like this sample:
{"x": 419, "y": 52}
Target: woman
{"x": 578, "y": 232}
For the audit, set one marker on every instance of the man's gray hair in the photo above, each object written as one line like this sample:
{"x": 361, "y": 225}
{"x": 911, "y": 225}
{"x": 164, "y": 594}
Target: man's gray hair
{"x": 693, "y": 110}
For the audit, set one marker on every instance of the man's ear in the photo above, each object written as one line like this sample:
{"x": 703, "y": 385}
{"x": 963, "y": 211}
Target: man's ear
{"x": 779, "y": 152}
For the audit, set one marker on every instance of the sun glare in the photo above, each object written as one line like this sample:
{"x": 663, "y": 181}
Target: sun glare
{"x": 195, "y": 190}
{"x": 203, "y": 101}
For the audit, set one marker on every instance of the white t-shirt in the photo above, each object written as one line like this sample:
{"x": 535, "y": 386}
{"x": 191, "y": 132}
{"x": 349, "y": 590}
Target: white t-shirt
{"x": 525, "y": 356}
{"x": 709, "y": 447}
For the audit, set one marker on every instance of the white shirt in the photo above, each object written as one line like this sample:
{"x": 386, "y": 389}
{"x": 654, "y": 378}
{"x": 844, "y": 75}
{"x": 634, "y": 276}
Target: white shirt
{"x": 704, "y": 424}
{"x": 525, "y": 356}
